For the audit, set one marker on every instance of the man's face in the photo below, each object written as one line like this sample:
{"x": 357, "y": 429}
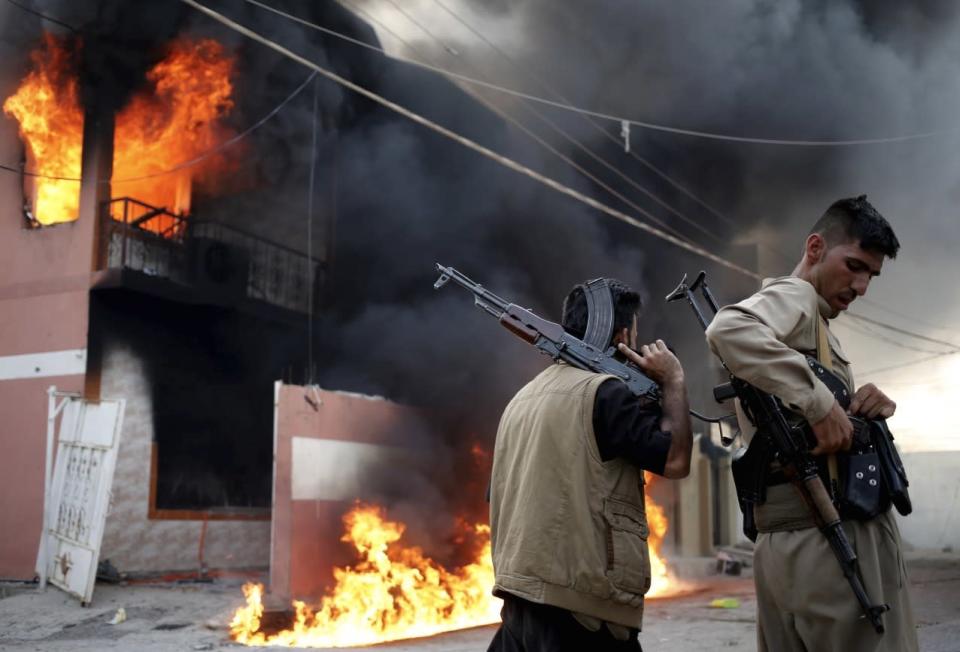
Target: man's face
{"x": 844, "y": 272}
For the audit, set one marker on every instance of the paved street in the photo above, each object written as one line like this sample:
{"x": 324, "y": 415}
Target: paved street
{"x": 193, "y": 617}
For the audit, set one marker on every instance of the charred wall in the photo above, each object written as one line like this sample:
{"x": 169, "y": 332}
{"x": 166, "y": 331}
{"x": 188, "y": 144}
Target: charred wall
{"x": 209, "y": 372}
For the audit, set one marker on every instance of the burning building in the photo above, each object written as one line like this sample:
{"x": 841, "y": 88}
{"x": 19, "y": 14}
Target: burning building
{"x": 157, "y": 248}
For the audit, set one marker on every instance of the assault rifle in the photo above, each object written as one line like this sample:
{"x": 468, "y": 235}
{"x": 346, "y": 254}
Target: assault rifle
{"x": 550, "y": 338}
{"x": 790, "y": 448}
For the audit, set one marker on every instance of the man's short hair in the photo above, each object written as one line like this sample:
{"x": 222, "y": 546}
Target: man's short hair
{"x": 854, "y": 219}
{"x": 626, "y": 304}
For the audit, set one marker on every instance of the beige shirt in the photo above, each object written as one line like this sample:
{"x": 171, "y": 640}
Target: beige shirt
{"x": 764, "y": 339}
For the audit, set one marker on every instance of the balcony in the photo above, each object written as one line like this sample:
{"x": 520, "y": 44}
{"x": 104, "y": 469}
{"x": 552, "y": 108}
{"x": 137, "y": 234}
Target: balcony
{"x": 150, "y": 249}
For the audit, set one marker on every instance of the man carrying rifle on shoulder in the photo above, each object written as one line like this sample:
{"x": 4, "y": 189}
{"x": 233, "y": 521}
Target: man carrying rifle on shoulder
{"x": 567, "y": 514}
{"x": 803, "y": 600}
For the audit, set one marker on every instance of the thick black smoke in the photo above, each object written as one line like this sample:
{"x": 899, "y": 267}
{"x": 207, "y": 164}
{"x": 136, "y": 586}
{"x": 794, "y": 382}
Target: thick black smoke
{"x": 391, "y": 198}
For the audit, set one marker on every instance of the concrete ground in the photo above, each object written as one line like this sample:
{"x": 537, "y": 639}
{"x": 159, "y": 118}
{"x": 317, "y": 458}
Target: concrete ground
{"x": 194, "y": 617}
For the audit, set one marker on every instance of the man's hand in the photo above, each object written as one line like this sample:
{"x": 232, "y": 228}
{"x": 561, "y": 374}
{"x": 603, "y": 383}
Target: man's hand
{"x": 834, "y": 432}
{"x": 662, "y": 366}
{"x": 656, "y": 361}
{"x": 871, "y": 403}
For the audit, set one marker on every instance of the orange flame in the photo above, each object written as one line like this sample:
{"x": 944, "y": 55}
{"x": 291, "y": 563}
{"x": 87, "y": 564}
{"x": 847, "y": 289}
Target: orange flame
{"x": 662, "y": 580}
{"x": 395, "y": 592}
{"x": 47, "y": 106}
{"x": 172, "y": 121}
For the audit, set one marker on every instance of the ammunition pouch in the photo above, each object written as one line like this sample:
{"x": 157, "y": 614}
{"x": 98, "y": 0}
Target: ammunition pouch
{"x": 871, "y": 475}
{"x": 749, "y": 467}
{"x": 892, "y": 473}
{"x": 861, "y": 491}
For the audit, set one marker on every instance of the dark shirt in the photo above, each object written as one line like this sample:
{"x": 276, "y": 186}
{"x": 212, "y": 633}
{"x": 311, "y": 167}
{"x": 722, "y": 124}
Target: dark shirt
{"x": 629, "y": 428}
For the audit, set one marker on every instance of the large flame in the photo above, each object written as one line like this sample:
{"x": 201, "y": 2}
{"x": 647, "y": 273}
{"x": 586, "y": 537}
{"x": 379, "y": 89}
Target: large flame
{"x": 174, "y": 119}
{"x": 47, "y": 106}
{"x": 394, "y": 592}
{"x": 661, "y": 582}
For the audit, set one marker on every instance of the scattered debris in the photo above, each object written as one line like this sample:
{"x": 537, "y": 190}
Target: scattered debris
{"x": 171, "y": 626}
{"x": 118, "y": 617}
{"x": 725, "y": 603}
{"x": 727, "y": 565}
{"x": 107, "y": 572}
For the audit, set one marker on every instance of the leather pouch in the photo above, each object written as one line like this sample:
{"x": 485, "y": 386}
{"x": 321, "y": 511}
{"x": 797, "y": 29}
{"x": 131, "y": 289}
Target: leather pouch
{"x": 864, "y": 496}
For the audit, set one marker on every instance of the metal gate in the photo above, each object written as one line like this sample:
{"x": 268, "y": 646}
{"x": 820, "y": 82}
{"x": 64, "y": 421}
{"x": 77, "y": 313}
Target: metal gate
{"x": 77, "y": 499}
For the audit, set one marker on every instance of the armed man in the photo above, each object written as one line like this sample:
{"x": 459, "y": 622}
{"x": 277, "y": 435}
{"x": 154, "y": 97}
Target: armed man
{"x": 567, "y": 513}
{"x": 803, "y": 599}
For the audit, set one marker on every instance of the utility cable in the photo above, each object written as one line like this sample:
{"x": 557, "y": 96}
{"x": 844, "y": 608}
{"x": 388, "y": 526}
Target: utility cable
{"x": 44, "y": 16}
{"x": 310, "y": 273}
{"x": 620, "y": 119}
{"x": 887, "y": 309}
{"x": 874, "y": 372}
{"x": 186, "y": 164}
{"x": 955, "y": 348}
{"x": 466, "y": 142}
{"x": 593, "y": 123}
{"x": 541, "y": 141}
{"x": 864, "y": 329}
{"x": 519, "y": 125}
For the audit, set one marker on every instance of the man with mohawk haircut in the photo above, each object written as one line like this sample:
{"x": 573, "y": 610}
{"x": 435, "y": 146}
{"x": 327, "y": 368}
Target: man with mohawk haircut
{"x": 804, "y": 602}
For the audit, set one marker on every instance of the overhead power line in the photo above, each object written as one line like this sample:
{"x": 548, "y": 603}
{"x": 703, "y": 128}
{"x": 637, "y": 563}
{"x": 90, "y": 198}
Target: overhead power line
{"x": 43, "y": 16}
{"x": 446, "y": 47}
{"x": 874, "y": 372}
{"x": 864, "y": 329}
{"x": 902, "y": 331}
{"x": 546, "y": 145}
{"x": 588, "y": 151}
{"x": 621, "y": 119}
{"x": 466, "y": 142}
{"x": 592, "y": 122}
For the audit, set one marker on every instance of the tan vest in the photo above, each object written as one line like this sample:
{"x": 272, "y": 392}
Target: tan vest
{"x": 568, "y": 529}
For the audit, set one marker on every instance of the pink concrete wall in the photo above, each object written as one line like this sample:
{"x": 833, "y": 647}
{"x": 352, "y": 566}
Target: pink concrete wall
{"x": 44, "y": 282}
{"x": 305, "y": 541}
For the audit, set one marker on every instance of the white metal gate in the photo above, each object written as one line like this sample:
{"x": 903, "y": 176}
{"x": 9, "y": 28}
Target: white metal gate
{"x": 75, "y": 507}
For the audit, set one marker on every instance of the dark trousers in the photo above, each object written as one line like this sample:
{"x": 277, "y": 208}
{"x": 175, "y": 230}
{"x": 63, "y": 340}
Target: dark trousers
{"x": 531, "y": 627}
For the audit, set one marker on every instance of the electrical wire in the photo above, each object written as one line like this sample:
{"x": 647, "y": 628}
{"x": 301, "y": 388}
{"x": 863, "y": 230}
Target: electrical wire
{"x": 866, "y": 330}
{"x": 534, "y": 136}
{"x": 44, "y": 16}
{"x": 955, "y": 348}
{"x": 621, "y": 119}
{"x": 466, "y": 142}
{"x": 874, "y": 372}
{"x": 589, "y": 152}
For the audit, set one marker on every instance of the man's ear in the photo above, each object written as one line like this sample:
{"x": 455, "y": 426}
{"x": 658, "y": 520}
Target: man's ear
{"x": 622, "y": 336}
{"x": 814, "y": 248}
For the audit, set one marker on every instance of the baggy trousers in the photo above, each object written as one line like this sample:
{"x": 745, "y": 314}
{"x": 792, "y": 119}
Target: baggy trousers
{"x": 804, "y": 604}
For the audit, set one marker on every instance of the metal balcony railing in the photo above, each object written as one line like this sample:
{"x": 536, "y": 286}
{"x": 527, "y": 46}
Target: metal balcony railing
{"x": 207, "y": 256}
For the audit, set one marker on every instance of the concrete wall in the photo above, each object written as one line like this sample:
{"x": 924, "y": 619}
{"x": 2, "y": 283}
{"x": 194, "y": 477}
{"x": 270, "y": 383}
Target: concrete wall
{"x": 330, "y": 447}
{"x": 44, "y": 281}
{"x": 935, "y": 491}
{"x": 132, "y": 541}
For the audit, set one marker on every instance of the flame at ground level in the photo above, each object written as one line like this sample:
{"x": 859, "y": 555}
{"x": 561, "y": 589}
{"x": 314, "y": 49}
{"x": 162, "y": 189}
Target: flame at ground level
{"x": 396, "y": 592}
{"x": 393, "y": 593}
